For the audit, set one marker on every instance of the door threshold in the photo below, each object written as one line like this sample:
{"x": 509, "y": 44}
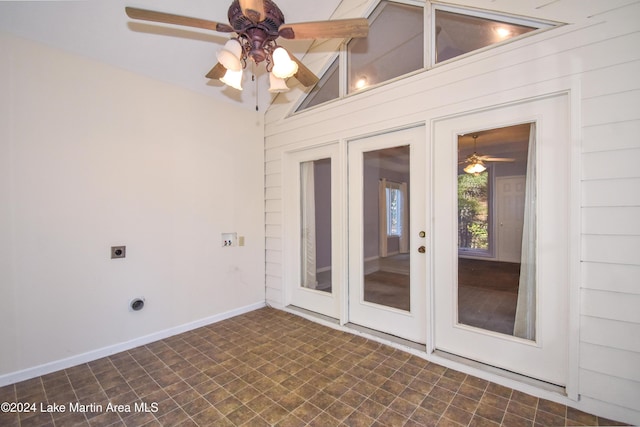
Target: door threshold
{"x": 387, "y": 337}
{"x": 539, "y": 384}
{"x": 352, "y": 327}
{"x": 316, "y": 316}
{"x": 538, "y": 388}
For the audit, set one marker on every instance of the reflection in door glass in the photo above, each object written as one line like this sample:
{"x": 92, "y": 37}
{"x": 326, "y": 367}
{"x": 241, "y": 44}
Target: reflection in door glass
{"x": 386, "y": 227}
{"x": 315, "y": 221}
{"x": 496, "y": 230}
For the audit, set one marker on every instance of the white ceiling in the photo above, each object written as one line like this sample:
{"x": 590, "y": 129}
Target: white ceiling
{"x": 100, "y": 30}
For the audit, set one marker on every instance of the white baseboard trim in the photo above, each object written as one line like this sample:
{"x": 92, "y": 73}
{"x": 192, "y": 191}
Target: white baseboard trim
{"x": 68, "y": 362}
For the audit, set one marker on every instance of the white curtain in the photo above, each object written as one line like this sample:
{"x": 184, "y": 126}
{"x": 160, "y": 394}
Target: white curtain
{"x": 308, "y": 225}
{"x": 382, "y": 217}
{"x": 404, "y": 230}
{"x": 525, "y": 321}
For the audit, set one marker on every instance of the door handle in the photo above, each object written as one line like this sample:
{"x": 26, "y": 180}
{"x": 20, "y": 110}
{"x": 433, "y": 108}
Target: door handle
{"x": 422, "y": 249}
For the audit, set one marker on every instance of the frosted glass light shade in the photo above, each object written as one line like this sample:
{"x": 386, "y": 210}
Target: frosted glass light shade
{"x": 233, "y": 79}
{"x": 230, "y": 55}
{"x": 283, "y": 66}
{"x": 276, "y": 84}
{"x": 475, "y": 168}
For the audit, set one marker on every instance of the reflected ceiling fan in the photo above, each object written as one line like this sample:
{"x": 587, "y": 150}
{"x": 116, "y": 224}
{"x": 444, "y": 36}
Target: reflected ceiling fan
{"x": 257, "y": 24}
{"x": 475, "y": 162}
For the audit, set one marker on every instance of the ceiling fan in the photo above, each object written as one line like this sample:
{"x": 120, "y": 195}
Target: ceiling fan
{"x": 258, "y": 24}
{"x": 475, "y": 162}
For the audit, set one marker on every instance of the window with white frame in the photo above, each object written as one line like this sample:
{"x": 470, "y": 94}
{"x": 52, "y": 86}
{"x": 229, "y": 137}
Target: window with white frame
{"x": 394, "y": 47}
{"x": 394, "y": 200}
{"x": 458, "y": 31}
{"x": 396, "y": 44}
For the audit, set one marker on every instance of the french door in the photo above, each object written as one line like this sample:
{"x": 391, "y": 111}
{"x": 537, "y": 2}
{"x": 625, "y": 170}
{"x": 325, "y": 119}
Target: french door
{"x": 314, "y": 274}
{"x": 386, "y": 233}
{"x": 512, "y": 315}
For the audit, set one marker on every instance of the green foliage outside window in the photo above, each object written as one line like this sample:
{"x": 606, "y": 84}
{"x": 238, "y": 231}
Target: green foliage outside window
{"x": 473, "y": 218}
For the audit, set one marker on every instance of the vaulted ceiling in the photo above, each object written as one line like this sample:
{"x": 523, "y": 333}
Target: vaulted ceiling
{"x": 100, "y": 30}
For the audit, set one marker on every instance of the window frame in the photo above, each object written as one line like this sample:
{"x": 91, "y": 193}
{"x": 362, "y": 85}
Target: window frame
{"x": 491, "y": 231}
{"x": 429, "y": 53}
{"x": 389, "y": 187}
{"x": 538, "y": 24}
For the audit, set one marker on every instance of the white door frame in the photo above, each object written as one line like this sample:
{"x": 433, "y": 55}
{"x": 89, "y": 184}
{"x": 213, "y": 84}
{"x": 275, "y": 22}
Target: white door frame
{"x": 325, "y": 303}
{"x": 459, "y": 339}
{"x": 409, "y": 325}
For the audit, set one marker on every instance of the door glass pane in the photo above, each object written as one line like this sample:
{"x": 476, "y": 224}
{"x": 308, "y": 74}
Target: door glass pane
{"x": 496, "y": 230}
{"x": 386, "y": 227}
{"x": 315, "y": 220}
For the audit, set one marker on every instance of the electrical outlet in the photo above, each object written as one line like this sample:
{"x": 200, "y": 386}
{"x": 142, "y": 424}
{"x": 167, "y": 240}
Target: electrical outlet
{"x": 229, "y": 239}
{"x": 118, "y": 252}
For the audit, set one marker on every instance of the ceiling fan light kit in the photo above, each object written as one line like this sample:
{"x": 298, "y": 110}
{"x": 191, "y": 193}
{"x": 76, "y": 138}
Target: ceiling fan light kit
{"x": 230, "y": 55}
{"x": 475, "y": 168}
{"x": 233, "y": 79}
{"x": 276, "y": 84}
{"x": 475, "y": 162}
{"x": 258, "y": 23}
{"x": 283, "y": 66}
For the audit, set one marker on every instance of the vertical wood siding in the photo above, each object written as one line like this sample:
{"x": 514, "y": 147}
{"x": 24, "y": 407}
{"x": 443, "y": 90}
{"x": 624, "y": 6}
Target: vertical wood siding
{"x": 602, "y": 55}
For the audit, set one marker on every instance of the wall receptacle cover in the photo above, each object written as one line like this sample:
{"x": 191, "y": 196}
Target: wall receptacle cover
{"x": 229, "y": 239}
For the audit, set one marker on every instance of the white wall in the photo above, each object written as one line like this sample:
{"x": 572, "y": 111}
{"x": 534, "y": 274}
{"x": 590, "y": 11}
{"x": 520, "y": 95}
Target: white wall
{"x": 597, "y": 61}
{"x": 93, "y": 156}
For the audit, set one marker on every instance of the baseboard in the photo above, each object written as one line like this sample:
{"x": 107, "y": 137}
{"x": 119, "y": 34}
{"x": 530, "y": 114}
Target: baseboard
{"x": 68, "y": 362}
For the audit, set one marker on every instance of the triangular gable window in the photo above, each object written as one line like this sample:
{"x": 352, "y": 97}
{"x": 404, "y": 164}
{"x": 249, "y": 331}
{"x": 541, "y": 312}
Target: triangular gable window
{"x": 326, "y": 89}
{"x": 394, "y": 47}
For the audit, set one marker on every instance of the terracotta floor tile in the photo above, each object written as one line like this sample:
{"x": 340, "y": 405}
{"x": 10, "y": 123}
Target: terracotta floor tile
{"x": 490, "y": 412}
{"x": 271, "y": 368}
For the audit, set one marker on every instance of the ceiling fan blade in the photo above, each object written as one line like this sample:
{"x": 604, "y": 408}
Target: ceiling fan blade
{"x": 304, "y": 75}
{"x": 253, "y": 9}
{"x": 340, "y": 28}
{"x": 496, "y": 159}
{"x": 168, "y": 18}
{"x": 217, "y": 72}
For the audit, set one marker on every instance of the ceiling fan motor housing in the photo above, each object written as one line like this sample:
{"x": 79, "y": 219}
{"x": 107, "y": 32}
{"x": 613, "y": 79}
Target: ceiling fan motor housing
{"x": 256, "y": 36}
